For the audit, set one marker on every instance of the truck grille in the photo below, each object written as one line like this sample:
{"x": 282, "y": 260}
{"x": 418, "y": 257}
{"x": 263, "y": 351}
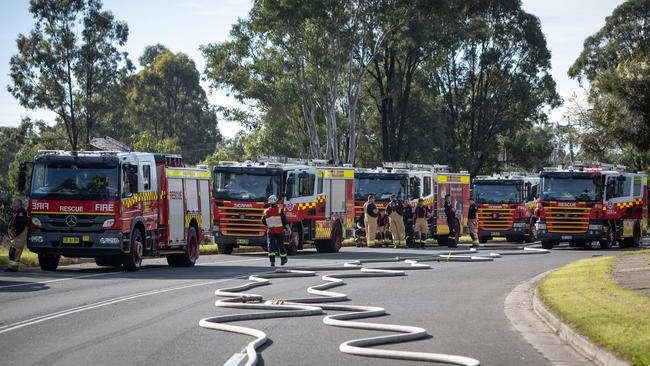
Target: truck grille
{"x": 495, "y": 219}
{"x": 85, "y": 223}
{"x": 567, "y": 219}
{"x": 236, "y": 221}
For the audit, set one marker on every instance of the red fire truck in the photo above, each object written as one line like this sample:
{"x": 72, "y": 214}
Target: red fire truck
{"x": 432, "y": 183}
{"x": 116, "y": 207}
{"x": 382, "y": 183}
{"x": 318, "y": 200}
{"x": 505, "y": 206}
{"x": 592, "y": 202}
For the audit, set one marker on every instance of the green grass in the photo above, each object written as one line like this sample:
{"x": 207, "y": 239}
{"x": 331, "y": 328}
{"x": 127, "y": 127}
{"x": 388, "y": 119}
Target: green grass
{"x": 584, "y": 295}
{"x": 30, "y": 259}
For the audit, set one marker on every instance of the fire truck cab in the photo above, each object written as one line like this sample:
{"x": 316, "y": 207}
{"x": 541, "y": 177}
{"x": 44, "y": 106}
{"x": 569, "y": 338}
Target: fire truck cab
{"x": 592, "y": 202}
{"x": 116, "y": 207}
{"x": 505, "y": 206}
{"x": 318, "y": 200}
{"x": 380, "y": 182}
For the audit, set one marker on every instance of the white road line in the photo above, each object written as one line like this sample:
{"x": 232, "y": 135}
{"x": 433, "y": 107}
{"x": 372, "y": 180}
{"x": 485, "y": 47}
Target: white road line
{"x": 58, "y": 314}
{"x": 109, "y": 273}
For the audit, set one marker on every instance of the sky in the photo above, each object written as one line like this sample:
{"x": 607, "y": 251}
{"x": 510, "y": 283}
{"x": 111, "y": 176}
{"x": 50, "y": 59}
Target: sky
{"x": 185, "y": 25}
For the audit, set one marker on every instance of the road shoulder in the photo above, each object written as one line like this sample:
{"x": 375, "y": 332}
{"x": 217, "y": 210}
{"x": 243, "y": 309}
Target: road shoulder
{"x": 519, "y": 308}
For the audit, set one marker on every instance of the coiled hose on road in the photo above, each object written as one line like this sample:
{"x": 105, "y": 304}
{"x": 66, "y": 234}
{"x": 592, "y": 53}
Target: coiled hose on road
{"x": 309, "y": 306}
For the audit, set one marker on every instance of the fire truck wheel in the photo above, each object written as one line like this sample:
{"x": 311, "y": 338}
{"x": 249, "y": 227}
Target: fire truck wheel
{"x": 483, "y": 239}
{"x": 225, "y": 248}
{"x": 609, "y": 238}
{"x": 187, "y": 259}
{"x": 111, "y": 261}
{"x": 133, "y": 260}
{"x": 48, "y": 262}
{"x": 547, "y": 244}
{"x": 337, "y": 239}
{"x": 294, "y": 241}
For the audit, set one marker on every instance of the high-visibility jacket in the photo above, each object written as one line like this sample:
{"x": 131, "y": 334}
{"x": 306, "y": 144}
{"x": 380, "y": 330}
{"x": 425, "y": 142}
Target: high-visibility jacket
{"x": 274, "y": 219}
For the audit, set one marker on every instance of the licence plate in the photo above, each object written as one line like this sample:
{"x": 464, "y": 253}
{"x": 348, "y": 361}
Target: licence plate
{"x": 70, "y": 240}
{"x": 567, "y": 237}
{"x": 242, "y": 241}
{"x": 495, "y": 233}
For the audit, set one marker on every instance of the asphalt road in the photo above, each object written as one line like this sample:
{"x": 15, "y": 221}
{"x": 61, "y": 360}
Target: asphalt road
{"x": 84, "y": 314}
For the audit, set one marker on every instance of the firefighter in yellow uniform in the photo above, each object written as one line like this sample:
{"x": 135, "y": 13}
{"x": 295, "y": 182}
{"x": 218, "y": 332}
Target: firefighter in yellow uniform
{"x": 421, "y": 225}
{"x": 371, "y": 212}
{"x": 394, "y": 212}
{"x": 18, "y": 234}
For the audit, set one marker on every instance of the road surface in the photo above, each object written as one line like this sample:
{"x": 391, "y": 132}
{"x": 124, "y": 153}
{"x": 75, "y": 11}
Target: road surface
{"x": 83, "y": 314}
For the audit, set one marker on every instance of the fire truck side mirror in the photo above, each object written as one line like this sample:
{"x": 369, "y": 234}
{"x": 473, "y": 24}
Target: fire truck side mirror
{"x": 288, "y": 192}
{"x": 22, "y": 177}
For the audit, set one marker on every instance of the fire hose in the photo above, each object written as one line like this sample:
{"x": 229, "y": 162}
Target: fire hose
{"x": 235, "y": 298}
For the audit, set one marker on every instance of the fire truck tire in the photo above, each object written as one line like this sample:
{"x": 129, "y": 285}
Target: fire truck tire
{"x": 225, "y": 248}
{"x": 133, "y": 259}
{"x": 483, "y": 239}
{"x": 187, "y": 259}
{"x": 48, "y": 261}
{"x": 110, "y": 261}
{"x": 336, "y": 242}
{"x": 609, "y": 239}
{"x": 295, "y": 241}
{"x": 547, "y": 244}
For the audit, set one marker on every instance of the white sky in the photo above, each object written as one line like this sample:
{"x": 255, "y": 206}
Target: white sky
{"x": 184, "y": 25}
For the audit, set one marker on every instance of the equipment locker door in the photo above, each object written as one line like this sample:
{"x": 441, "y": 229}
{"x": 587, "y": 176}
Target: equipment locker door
{"x": 176, "y": 211}
{"x": 204, "y": 197}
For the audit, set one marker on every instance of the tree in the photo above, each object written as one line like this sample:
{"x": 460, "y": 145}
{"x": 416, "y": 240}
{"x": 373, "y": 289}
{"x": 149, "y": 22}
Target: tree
{"x": 68, "y": 61}
{"x": 616, "y": 63}
{"x": 166, "y": 99}
{"x": 491, "y": 69}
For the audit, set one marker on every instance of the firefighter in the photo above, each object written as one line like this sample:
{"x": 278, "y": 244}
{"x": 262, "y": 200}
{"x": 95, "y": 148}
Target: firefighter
{"x": 360, "y": 232}
{"x": 450, "y": 213}
{"x": 17, "y": 234}
{"x": 276, "y": 222}
{"x": 371, "y": 214}
{"x": 473, "y": 223}
{"x": 407, "y": 216}
{"x": 382, "y": 225}
{"x": 421, "y": 225}
{"x": 394, "y": 210}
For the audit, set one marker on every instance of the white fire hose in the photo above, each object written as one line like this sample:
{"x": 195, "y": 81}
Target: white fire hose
{"x": 236, "y": 299}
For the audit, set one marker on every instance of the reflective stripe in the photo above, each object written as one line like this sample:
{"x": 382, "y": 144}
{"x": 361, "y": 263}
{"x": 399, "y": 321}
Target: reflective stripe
{"x": 282, "y": 255}
{"x": 274, "y": 221}
{"x": 272, "y": 254}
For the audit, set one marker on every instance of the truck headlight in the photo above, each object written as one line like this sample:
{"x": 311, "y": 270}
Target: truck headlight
{"x": 596, "y": 227}
{"x": 35, "y": 239}
{"x": 36, "y": 221}
{"x": 108, "y": 223}
{"x": 541, "y": 226}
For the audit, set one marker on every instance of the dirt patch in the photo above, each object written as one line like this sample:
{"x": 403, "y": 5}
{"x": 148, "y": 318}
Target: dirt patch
{"x": 633, "y": 272}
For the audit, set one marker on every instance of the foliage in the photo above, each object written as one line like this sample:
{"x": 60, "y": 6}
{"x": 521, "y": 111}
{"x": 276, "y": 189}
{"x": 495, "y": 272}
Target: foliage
{"x": 167, "y": 101}
{"x": 146, "y": 141}
{"x": 616, "y": 63}
{"x": 68, "y": 62}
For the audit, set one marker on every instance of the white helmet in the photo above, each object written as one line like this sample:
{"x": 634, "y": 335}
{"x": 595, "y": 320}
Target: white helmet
{"x": 273, "y": 199}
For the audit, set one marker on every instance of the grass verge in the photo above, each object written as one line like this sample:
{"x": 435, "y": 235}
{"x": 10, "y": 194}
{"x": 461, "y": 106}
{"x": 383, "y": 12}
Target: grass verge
{"x": 30, "y": 259}
{"x": 584, "y": 295}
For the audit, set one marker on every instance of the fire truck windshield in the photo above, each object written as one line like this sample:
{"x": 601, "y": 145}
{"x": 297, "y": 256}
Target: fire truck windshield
{"x": 497, "y": 193}
{"x": 63, "y": 181}
{"x": 571, "y": 189}
{"x": 382, "y": 188}
{"x": 245, "y": 186}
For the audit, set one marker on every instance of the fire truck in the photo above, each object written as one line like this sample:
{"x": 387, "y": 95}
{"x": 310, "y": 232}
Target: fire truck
{"x": 116, "y": 207}
{"x": 592, "y": 202}
{"x": 318, "y": 199}
{"x": 380, "y": 182}
{"x": 432, "y": 182}
{"x": 506, "y": 204}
